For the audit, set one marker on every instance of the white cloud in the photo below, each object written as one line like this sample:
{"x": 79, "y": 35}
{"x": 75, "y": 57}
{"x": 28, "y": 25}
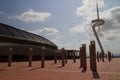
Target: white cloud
{"x": 110, "y": 30}
{"x": 88, "y": 7}
{"x": 46, "y": 31}
{"x": 31, "y": 15}
{"x": 78, "y": 29}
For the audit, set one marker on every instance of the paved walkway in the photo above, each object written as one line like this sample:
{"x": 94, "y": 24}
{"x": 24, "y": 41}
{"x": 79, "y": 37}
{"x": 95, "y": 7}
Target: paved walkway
{"x": 71, "y": 71}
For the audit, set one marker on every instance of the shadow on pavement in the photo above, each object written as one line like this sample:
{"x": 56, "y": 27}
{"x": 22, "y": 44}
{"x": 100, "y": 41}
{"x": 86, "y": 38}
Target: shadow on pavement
{"x": 95, "y": 75}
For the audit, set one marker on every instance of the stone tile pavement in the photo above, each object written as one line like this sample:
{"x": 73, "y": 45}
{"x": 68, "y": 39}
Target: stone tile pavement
{"x": 20, "y": 71}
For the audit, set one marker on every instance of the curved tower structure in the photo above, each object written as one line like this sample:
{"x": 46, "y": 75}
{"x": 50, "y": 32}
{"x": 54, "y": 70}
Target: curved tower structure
{"x": 97, "y": 23}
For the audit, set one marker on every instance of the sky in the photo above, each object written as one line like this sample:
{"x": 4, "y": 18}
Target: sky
{"x": 67, "y": 23}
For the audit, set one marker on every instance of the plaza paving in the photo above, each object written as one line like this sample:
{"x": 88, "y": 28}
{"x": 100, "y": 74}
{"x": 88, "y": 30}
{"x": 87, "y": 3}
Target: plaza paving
{"x": 71, "y": 71}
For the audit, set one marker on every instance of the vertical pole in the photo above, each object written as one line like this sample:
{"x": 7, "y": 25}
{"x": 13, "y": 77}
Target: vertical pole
{"x": 112, "y": 56}
{"x": 103, "y": 56}
{"x": 30, "y": 56}
{"x": 81, "y": 57}
{"x": 93, "y": 56}
{"x": 10, "y": 57}
{"x": 90, "y": 49}
{"x": 84, "y": 63}
{"x": 66, "y": 57}
{"x": 109, "y": 56}
{"x": 100, "y": 56}
{"x": 63, "y": 57}
{"x": 55, "y": 57}
{"x": 42, "y": 57}
{"x": 97, "y": 56}
{"x": 106, "y": 56}
{"x": 74, "y": 57}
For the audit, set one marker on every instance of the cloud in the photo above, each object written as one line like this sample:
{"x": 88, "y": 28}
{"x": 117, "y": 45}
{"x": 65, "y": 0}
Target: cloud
{"x": 113, "y": 21}
{"x": 33, "y": 16}
{"x": 46, "y": 31}
{"x": 88, "y": 7}
{"x": 110, "y": 29}
{"x": 78, "y": 29}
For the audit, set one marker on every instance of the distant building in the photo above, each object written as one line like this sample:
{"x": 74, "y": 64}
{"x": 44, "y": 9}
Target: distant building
{"x": 21, "y": 41}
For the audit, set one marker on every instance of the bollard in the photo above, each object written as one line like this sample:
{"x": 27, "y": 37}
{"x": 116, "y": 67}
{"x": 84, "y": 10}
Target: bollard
{"x": 112, "y": 56}
{"x": 42, "y": 57}
{"x": 30, "y": 56}
{"x": 63, "y": 57}
{"x": 74, "y": 57}
{"x": 106, "y": 56}
{"x": 109, "y": 56}
{"x": 90, "y": 57}
{"x": 97, "y": 56}
{"x": 10, "y": 57}
{"x": 55, "y": 57}
{"x": 84, "y": 62}
{"x": 80, "y": 54}
{"x": 93, "y": 56}
{"x": 102, "y": 57}
{"x": 66, "y": 57}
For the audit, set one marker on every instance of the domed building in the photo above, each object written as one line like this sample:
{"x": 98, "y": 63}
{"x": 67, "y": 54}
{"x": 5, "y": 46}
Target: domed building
{"x": 20, "y": 41}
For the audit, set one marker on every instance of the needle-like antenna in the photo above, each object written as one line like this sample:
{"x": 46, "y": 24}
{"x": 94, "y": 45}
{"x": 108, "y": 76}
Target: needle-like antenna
{"x": 97, "y": 13}
{"x": 97, "y": 10}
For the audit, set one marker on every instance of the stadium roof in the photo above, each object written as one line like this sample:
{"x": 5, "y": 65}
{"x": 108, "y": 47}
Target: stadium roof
{"x": 13, "y": 35}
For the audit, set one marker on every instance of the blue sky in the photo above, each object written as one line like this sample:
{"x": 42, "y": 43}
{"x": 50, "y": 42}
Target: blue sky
{"x": 65, "y": 22}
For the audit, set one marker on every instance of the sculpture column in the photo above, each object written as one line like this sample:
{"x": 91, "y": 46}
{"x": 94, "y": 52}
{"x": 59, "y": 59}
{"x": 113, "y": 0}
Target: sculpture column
{"x": 84, "y": 62}
{"x": 74, "y": 57}
{"x": 80, "y": 54}
{"x": 97, "y": 56}
{"x": 63, "y": 57}
{"x": 93, "y": 56}
{"x": 90, "y": 49}
{"x": 30, "y": 56}
{"x": 42, "y": 57}
{"x": 10, "y": 57}
{"x": 109, "y": 56}
{"x": 55, "y": 57}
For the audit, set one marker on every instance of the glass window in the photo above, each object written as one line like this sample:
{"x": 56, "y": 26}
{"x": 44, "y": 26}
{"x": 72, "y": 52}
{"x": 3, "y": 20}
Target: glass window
{"x": 4, "y": 31}
{"x": 16, "y": 33}
{"x": 27, "y": 35}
